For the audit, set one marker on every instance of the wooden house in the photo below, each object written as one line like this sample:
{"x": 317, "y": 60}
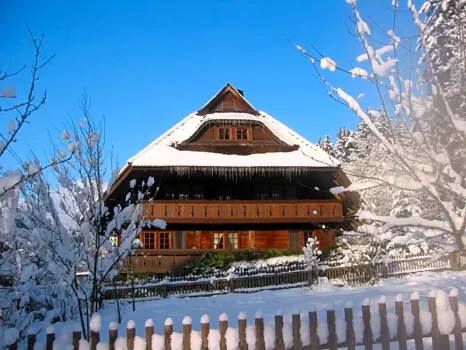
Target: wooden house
{"x": 231, "y": 177}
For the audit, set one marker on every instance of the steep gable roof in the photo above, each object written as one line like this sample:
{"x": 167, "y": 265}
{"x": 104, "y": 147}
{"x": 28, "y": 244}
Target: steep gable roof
{"x": 161, "y": 153}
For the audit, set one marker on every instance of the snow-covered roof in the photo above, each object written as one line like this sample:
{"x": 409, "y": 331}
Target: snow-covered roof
{"x": 161, "y": 153}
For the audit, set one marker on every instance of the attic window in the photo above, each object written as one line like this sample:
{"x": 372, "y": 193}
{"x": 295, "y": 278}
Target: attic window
{"x": 241, "y": 133}
{"x": 224, "y": 133}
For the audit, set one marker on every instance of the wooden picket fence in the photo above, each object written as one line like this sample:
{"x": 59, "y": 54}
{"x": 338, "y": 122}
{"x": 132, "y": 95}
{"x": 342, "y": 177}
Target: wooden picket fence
{"x": 347, "y": 274}
{"x": 411, "y": 324}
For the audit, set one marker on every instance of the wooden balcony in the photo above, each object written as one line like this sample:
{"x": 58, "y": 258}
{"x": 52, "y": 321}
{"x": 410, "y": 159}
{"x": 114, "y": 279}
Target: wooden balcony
{"x": 236, "y": 211}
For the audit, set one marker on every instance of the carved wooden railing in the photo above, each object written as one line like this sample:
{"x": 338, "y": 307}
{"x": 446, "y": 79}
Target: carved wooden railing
{"x": 202, "y": 211}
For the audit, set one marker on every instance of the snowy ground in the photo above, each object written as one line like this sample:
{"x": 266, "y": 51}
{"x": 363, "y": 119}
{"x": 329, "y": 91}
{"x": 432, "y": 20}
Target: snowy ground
{"x": 287, "y": 301}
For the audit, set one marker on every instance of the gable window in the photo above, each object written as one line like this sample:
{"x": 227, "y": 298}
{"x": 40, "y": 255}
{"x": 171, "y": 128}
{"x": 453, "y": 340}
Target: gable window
{"x": 149, "y": 240}
{"x": 164, "y": 240}
{"x": 218, "y": 241}
{"x": 224, "y": 133}
{"x": 241, "y": 133}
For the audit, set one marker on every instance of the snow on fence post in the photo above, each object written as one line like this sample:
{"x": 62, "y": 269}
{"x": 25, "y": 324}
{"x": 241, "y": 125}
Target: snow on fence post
{"x": 130, "y": 334}
{"x": 384, "y": 332}
{"x": 242, "y": 331}
{"x": 223, "y": 326}
{"x": 401, "y": 329}
{"x": 350, "y": 336}
{"x": 149, "y": 331}
{"x": 112, "y": 335}
{"x": 332, "y": 328}
{"x": 11, "y": 338}
{"x": 416, "y": 311}
{"x": 279, "y": 341}
{"x": 315, "y": 342}
{"x": 168, "y": 331}
{"x": 296, "y": 326}
{"x": 50, "y": 338}
{"x": 259, "y": 323}
{"x": 31, "y": 338}
{"x": 368, "y": 338}
{"x": 187, "y": 328}
{"x": 95, "y": 326}
{"x": 453, "y": 297}
{"x": 205, "y": 328}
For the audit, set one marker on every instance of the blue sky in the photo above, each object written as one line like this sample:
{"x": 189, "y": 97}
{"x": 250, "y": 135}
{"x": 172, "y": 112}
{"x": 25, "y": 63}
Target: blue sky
{"x": 147, "y": 64}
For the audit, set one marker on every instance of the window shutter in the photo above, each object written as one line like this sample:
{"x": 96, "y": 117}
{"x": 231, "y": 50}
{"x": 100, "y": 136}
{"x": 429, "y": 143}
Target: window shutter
{"x": 294, "y": 240}
{"x": 179, "y": 240}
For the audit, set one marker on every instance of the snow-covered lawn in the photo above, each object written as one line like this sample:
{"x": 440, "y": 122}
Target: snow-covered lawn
{"x": 287, "y": 301}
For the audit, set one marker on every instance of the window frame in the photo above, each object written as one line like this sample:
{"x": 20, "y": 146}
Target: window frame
{"x": 216, "y": 239}
{"x": 232, "y": 132}
{"x": 166, "y": 237}
{"x": 146, "y": 240}
{"x": 226, "y": 132}
{"x": 232, "y": 238}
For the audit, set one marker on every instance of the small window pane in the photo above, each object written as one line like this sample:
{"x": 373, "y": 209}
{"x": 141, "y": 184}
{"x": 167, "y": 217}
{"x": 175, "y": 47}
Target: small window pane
{"x": 224, "y": 133}
{"x": 164, "y": 240}
{"x": 149, "y": 240}
{"x": 233, "y": 240}
{"x": 241, "y": 133}
{"x": 218, "y": 241}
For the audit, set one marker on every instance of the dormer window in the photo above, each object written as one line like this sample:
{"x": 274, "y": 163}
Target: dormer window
{"x": 241, "y": 133}
{"x": 224, "y": 133}
{"x": 231, "y": 133}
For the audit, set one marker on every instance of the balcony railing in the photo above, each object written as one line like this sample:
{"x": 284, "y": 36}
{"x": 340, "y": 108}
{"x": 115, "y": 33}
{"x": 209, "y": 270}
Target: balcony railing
{"x": 197, "y": 211}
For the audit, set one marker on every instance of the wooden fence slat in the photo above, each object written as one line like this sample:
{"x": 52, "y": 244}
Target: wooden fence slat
{"x": 242, "y": 324}
{"x": 50, "y": 338}
{"x": 187, "y": 328}
{"x": 401, "y": 327}
{"x": 31, "y": 340}
{"x": 296, "y": 327}
{"x": 439, "y": 341}
{"x": 384, "y": 332}
{"x": 279, "y": 341}
{"x": 130, "y": 334}
{"x": 368, "y": 338}
{"x": 223, "y": 326}
{"x": 350, "y": 336}
{"x": 205, "y": 328}
{"x": 95, "y": 339}
{"x": 112, "y": 335}
{"x": 453, "y": 296}
{"x": 149, "y": 330}
{"x": 168, "y": 331}
{"x": 259, "y": 324}
{"x": 415, "y": 309}
{"x": 332, "y": 328}
{"x": 315, "y": 342}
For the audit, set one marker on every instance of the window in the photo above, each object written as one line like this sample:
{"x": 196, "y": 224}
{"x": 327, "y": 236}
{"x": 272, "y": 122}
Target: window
{"x": 183, "y": 191}
{"x": 169, "y": 192}
{"x": 224, "y": 133}
{"x": 164, "y": 240}
{"x": 218, "y": 241}
{"x": 233, "y": 240}
{"x": 241, "y": 133}
{"x": 198, "y": 192}
{"x": 276, "y": 192}
{"x": 149, "y": 240}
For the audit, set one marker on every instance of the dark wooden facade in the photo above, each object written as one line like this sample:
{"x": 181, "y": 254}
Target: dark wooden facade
{"x": 259, "y": 211}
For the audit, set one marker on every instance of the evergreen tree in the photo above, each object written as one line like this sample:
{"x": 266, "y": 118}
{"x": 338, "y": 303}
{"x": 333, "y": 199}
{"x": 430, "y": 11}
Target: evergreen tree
{"x": 326, "y": 145}
{"x": 345, "y": 144}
